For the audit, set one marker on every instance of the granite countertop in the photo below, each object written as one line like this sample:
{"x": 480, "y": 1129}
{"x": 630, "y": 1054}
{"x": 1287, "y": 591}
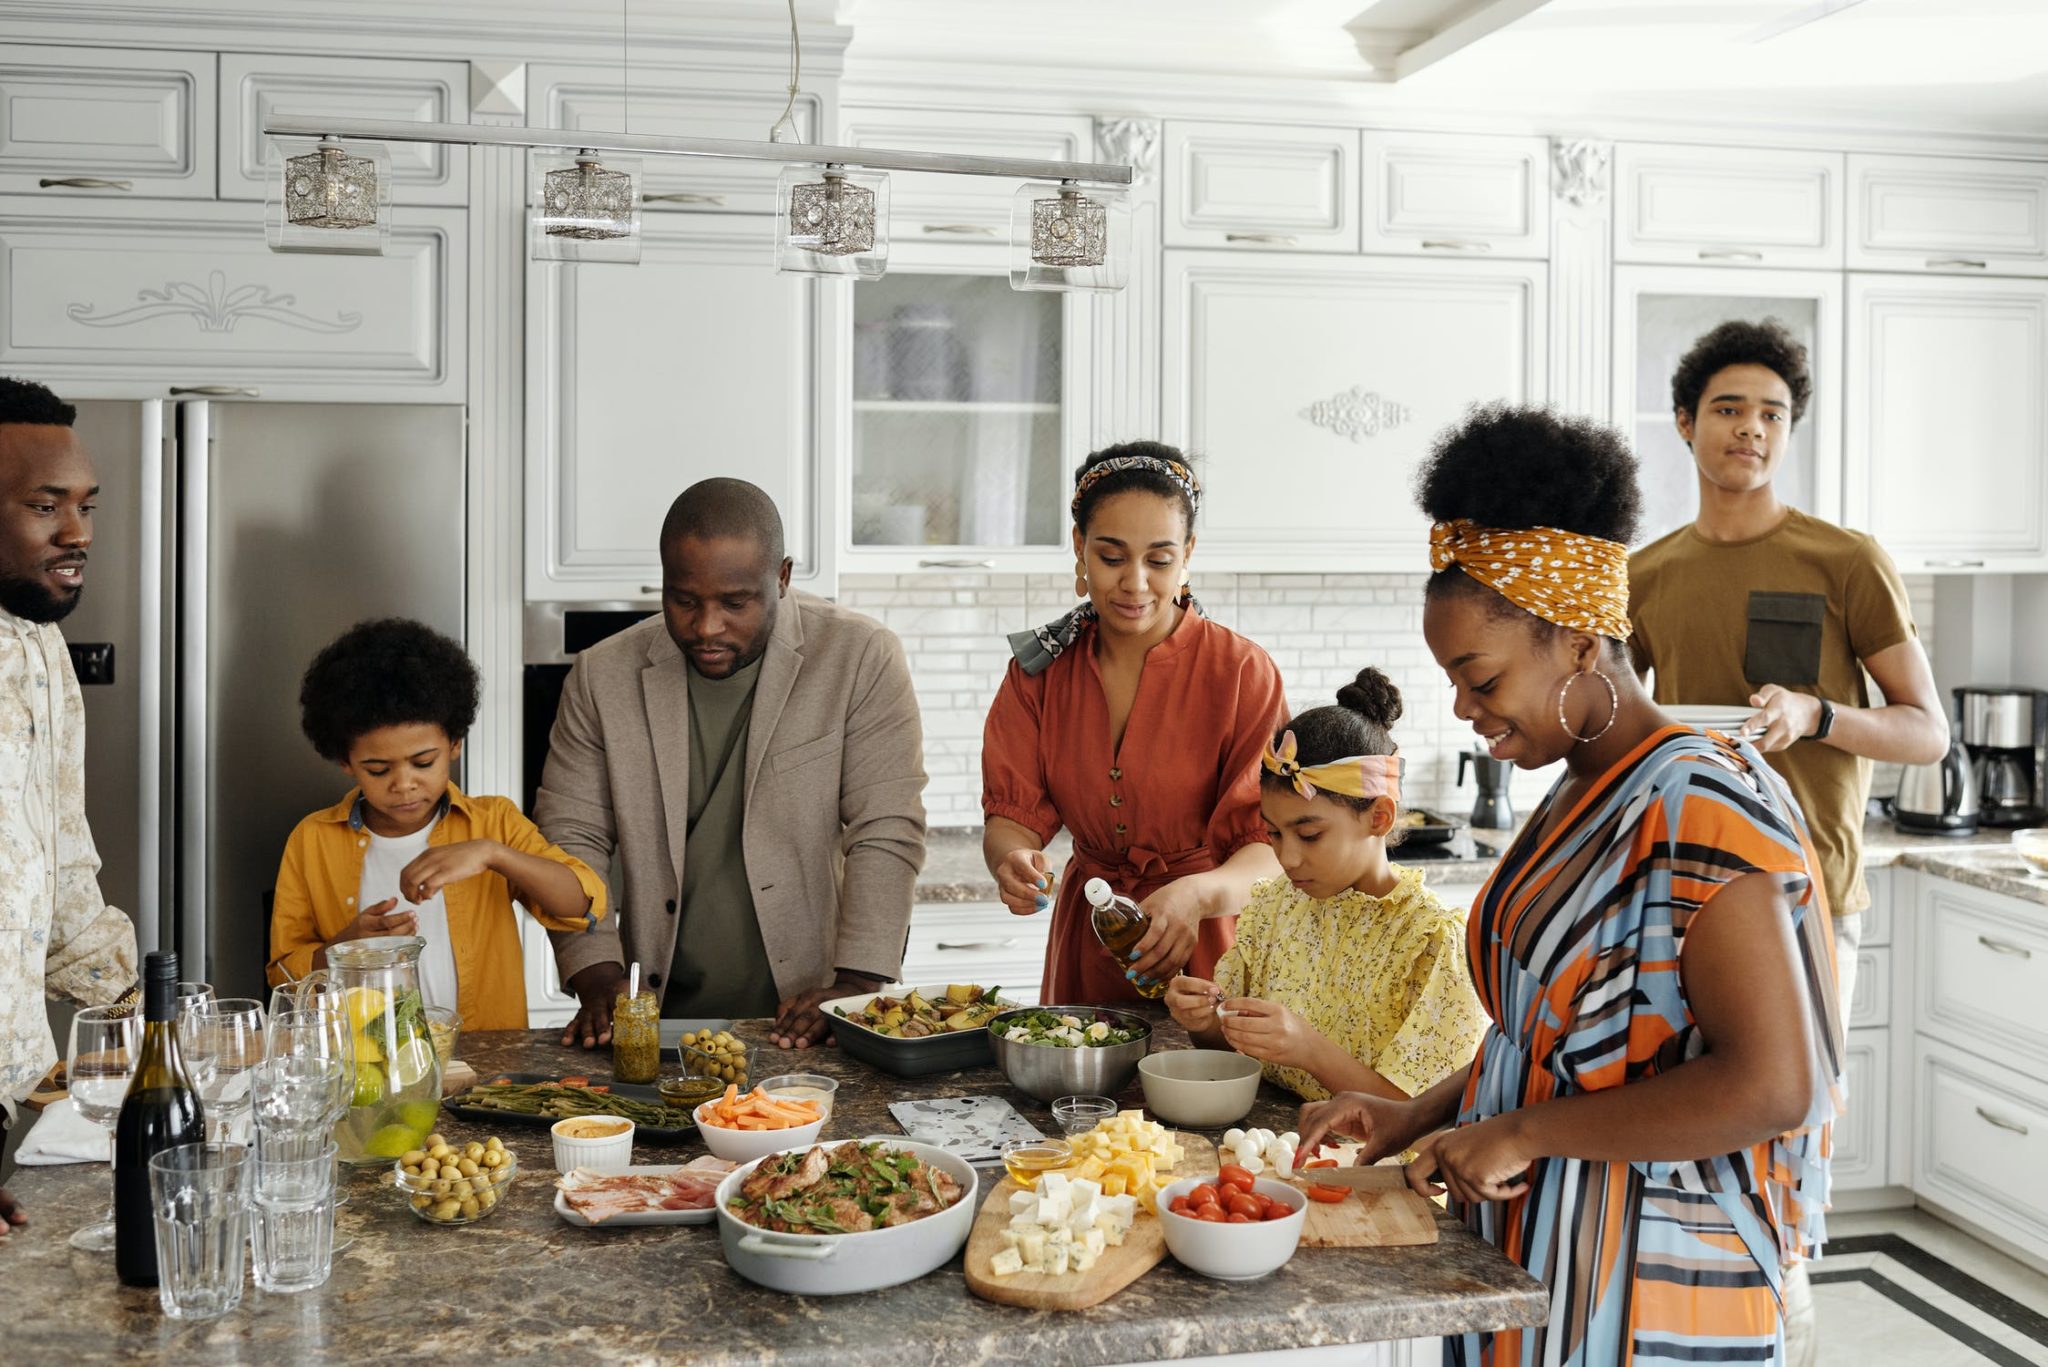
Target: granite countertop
{"x": 523, "y": 1286}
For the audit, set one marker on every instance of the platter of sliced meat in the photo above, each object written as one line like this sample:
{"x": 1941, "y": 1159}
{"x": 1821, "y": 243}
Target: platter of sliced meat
{"x": 661, "y": 1195}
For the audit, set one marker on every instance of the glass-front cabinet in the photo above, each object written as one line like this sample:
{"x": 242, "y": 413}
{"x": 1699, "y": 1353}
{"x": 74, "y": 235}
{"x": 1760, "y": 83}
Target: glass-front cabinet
{"x": 1660, "y": 311}
{"x": 965, "y": 420}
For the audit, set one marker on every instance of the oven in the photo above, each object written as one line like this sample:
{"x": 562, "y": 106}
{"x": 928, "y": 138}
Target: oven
{"x": 554, "y": 634}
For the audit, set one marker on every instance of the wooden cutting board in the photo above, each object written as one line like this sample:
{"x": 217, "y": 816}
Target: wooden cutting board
{"x": 1385, "y": 1214}
{"x": 1141, "y": 1251}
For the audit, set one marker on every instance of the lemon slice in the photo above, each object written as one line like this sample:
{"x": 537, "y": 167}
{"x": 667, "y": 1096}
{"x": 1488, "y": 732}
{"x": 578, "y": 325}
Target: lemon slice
{"x": 411, "y": 1062}
{"x": 391, "y": 1141}
{"x": 365, "y": 1004}
{"x": 369, "y": 1085}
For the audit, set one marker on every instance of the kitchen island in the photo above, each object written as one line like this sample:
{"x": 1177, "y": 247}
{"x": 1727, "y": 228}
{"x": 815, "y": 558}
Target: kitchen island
{"x": 523, "y": 1286}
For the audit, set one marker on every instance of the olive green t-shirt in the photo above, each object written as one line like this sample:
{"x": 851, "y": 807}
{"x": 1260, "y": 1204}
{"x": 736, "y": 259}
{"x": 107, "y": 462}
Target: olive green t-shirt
{"x": 720, "y": 966}
{"x": 1802, "y": 607}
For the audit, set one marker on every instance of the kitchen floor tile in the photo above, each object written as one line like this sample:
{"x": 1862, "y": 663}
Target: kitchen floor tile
{"x": 1880, "y": 1298}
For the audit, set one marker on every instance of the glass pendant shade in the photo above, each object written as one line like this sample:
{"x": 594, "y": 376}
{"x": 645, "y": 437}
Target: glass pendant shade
{"x": 584, "y": 209}
{"x": 832, "y": 222}
{"x": 1064, "y": 237}
{"x": 327, "y": 197}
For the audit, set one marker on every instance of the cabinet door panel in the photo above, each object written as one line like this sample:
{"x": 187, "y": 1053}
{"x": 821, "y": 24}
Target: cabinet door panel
{"x": 1983, "y": 971}
{"x": 1261, "y": 187}
{"x": 700, "y": 361}
{"x": 960, "y": 212}
{"x": 1338, "y": 373}
{"x": 1446, "y": 193}
{"x": 99, "y": 298}
{"x": 256, "y": 88}
{"x": 1981, "y": 1143}
{"x": 1948, "y": 418}
{"x": 1859, "y": 1154}
{"x": 1948, "y": 214}
{"x": 1736, "y": 206}
{"x": 142, "y": 117}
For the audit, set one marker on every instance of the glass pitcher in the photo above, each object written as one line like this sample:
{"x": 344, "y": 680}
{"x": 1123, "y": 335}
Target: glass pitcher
{"x": 398, "y": 1074}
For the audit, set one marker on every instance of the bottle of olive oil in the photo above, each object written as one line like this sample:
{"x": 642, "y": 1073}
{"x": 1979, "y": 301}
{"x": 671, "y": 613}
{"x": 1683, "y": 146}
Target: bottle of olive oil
{"x": 1120, "y": 923}
{"x": 160, "y": 1111}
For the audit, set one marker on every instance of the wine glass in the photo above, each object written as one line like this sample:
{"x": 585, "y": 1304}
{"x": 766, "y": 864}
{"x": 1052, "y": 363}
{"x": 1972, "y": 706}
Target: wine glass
{"x": 104, "y": 1042}
{"x": 192, "y": 993}
{"x": 226, "y": 1040}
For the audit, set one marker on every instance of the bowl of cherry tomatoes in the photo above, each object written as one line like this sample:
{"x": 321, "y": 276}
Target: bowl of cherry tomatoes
{"x": 1233, "y": 1226}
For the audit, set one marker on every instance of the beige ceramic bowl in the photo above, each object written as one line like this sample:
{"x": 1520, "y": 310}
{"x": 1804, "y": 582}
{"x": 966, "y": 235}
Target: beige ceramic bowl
{"x": 1199, "y": 1088}
{"x": 599, "y": 1143}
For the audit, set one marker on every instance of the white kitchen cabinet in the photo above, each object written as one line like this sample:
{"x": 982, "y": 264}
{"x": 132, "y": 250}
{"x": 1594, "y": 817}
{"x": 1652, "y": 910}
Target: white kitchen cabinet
{"x": 1261, "y": 187}
{"x": 699, "y": 104}
{"x": 977, "y": 942}
{"x": 1872, "y": 1005}
{"x": 255, "y": 88}
{"x": 926, "y": 208}
{"x": 548, "y": 1003}
{"x": 1735, "y": 206}
{"x": 1659, "y": 312}
{"x": 641, "y": 380}
{"x": 1860, "y": 1132}
{"x": 1948, "y": 214}
{"x": 1982, "y": 973}
{"x": 1311, "y": 388}
{"x": 1981, "y": 1143}
{"x": 1456, "y": 194}
{"x": 100, "y": 298}
{"x": 106, "y": 122}
{"x": 1884, "y": 885}
{"x": 1948, "y": 420}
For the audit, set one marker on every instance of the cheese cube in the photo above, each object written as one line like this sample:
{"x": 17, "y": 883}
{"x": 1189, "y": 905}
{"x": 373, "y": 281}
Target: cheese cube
{"x": 1057, "y": 1257}
{"x": 1083, "y": 1260}
{"x": 1092, "y": 1243}
{"x": 1006, "y": 1263}
{"x": 1122, "y": 1209}
{"x": 1022, "y": 1201}
{"x": 1114, "y": 1184}
{"x": 1083, "y": 1189}
{"x": 1025, "y": 1220}
{"x": 1011, "y": 1238}
{"x": 1054, "y": 1208}
{"x": 1032, "y": 1246}
{"x": 1082, "y": 1218}
{"x": 1111, "y": 1232}
{"x": 1052, "y": 1184}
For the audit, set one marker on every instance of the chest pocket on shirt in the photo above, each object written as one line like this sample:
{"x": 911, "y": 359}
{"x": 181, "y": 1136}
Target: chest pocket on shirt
{"x": 1783, "y": 645}
{"x": 809, "y": 752}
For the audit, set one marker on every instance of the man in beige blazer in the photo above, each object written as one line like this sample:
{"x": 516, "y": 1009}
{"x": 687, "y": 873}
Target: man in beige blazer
{"x": 756, "y": 761}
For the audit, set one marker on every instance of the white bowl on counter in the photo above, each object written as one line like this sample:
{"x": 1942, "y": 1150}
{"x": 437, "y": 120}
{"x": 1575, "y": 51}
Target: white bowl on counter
{"x": 1203, "y": 1089}
{"x": 841, "y": 1264}
{"x": 611, "y": 1151}
{"x": 1232, "y": 1253}
{"x": 744, "y": 1146}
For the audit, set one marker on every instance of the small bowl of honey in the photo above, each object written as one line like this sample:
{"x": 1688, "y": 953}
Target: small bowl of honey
{"x": 1027, "y": 1160}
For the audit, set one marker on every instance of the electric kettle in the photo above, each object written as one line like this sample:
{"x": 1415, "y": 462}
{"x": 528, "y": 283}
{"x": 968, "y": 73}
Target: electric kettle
{"x": 1938, "y": 798}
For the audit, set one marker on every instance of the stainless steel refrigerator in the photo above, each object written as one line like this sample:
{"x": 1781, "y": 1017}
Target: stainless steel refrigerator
{"x": 232, "y": 541}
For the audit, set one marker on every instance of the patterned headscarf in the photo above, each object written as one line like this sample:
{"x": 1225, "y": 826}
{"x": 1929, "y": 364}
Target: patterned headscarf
{"x": 1566, "y": 578}
{"x": 1182, "y": 477}
{"x": 1364, "y": 776}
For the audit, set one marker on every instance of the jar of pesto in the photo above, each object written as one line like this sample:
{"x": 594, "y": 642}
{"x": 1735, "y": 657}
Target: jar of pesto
{"x": 636, "y": 1038}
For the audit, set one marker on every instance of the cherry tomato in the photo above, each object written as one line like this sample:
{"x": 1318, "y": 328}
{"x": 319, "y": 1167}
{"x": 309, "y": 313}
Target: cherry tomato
{"x": 1237, "y": 1217}
{"x": 1205, "y": 1195}
{"x": 1274, "y": 1210}
{"x": 1242, "y": 1203}
{"x": 1210, "y": 1213}
{"x": 1180, "y": 1206}
{"x": 1329, "y": 1195}
{"x": 1320, "y": 1163}
{"x": 1232, "y": 1175}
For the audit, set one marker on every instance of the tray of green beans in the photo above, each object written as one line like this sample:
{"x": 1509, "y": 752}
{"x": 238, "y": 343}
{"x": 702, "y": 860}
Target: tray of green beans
{"x": 536, "y": 1099}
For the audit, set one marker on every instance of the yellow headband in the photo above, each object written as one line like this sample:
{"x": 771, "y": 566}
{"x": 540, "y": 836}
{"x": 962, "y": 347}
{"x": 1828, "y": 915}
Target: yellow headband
{"x": 1363, "y": 776}
{"x": 1568, "y": 579}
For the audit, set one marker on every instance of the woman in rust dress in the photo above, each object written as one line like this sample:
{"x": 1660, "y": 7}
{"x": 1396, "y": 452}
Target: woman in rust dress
{"x": 1136, "y": 723}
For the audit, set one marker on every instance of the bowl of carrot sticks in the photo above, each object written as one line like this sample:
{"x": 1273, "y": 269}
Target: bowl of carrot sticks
{"x": 742, "y": 1126}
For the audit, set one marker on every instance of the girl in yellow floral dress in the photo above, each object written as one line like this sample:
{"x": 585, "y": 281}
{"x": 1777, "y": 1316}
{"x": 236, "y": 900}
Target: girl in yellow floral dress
{"x": 1347, "y": 975}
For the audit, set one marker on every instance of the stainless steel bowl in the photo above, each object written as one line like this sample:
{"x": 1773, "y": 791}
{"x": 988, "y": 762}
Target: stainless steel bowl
{"x": 1049, "y": 1072}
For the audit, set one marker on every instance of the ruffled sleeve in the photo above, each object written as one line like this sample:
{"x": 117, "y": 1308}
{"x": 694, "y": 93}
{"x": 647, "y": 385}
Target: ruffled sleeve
{"x": 1441, "y": 1031}
{"x": 1013, "y": 778}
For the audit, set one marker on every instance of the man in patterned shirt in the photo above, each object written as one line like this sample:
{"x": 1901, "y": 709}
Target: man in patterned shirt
{"x": 58, "y": 937}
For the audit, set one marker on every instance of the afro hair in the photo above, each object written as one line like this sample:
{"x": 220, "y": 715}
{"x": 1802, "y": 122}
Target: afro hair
{"x": 389, "y": 672}
{"x": 1768, "y": 344}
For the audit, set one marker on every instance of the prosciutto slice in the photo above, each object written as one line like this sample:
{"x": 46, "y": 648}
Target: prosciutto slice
{"x": 598, "y": 1197}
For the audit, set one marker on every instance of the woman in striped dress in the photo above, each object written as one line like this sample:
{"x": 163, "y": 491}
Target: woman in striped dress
{"x": 1645, "y": 1128}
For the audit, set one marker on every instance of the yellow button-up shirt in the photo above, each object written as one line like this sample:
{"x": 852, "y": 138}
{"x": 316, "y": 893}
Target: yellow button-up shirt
{"x": 323, "y": 870}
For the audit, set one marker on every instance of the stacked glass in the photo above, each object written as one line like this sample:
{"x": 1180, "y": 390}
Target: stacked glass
{"x": 199, "y": 1194}
{"x": 296, "y": 1098}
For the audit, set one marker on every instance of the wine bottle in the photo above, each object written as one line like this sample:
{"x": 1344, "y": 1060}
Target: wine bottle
{"x": 160, "y": 1111}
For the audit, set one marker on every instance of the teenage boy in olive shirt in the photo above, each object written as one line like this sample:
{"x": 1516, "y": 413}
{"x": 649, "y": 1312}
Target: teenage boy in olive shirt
{"x": 1758, "y": 604}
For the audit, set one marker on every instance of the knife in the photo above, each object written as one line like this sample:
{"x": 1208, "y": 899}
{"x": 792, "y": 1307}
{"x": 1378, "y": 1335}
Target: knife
{"x": 1370, "y": 1177}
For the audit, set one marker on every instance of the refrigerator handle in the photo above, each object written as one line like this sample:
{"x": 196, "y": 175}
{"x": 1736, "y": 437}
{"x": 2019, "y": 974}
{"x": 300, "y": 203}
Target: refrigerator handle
{"x": 195, "y": 441}
{"x": 152, "y": 927}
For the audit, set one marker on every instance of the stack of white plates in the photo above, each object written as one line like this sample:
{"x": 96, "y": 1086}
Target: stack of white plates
{"x": 1711, "y": 716}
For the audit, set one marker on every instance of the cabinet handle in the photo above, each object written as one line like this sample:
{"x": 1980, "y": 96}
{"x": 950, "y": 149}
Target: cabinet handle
{"x": 1729, "y": 254}
{"x": 1955, "y": 564}
{"x": 1277, "y": 239}
{"x": 2005, "y": 947}
{"x": 1958, "y": 262}
{"x": 1453, "y": 245}
{"x": 2000, "y": 1121}
{"x": 650, "y": 588}
{"x": 962, "y": 229}
{"x": 956, "y": 564}
{"x": 680, "y": 197}
{"x": 84, "y": 183}
{"x": 218, "y": 391}
{"x": 979, "y": 944}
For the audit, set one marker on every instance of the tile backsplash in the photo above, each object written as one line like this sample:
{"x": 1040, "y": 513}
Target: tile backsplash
{"x": 1319, "y": 628}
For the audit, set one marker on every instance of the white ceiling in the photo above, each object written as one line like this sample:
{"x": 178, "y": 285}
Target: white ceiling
{"x": 1950, "y": 65}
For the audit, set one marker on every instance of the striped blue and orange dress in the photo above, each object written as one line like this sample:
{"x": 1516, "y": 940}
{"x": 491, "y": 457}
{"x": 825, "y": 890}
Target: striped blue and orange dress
{"x": 1575, "y": 947}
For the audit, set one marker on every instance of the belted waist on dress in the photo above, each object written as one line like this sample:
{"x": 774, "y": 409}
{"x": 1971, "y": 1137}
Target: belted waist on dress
{"x": 1138, "y": 864}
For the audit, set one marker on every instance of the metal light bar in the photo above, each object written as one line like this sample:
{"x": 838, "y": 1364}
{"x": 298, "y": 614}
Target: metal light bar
{"x": 732, "y": 149}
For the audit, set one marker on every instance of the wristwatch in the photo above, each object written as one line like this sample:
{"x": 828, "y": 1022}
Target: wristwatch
{"x": 1826, "y": 722}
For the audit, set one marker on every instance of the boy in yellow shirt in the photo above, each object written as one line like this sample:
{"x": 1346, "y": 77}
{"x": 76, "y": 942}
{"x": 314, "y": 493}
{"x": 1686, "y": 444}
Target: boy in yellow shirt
{"x": 406, "y": 852}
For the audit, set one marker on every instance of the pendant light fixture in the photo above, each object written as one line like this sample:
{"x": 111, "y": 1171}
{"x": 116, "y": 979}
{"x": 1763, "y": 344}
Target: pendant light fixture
{"x": 584, "y": 208}
{"x": 834, "y": 222}
{"x": 1064, "y": 238}
{"x": 326, "y": 197}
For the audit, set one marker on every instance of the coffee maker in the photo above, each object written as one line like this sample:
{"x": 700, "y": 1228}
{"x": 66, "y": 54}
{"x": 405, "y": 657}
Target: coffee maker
{"x": 1491, "y": 810}
{"x": 2005, "y": 730}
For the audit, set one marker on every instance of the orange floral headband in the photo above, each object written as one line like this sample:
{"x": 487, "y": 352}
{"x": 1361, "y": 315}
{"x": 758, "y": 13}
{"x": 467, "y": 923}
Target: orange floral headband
{"x": 1566, "y": 578}
{"x": 1365, "y": 776}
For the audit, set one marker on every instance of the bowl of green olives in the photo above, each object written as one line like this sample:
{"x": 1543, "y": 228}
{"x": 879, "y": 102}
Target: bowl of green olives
{"x": 449, "y": 1184}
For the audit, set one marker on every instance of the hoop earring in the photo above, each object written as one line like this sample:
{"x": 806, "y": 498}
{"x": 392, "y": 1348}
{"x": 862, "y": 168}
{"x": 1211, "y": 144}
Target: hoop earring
{"x": 1613, "y": 705}
{"x": 1080, "y": 580}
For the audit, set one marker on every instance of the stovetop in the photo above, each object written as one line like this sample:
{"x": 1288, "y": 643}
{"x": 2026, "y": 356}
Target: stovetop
{"x": 1449, "y": 849}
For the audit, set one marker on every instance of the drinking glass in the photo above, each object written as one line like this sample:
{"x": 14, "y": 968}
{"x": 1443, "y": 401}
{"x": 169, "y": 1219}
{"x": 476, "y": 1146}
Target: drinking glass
{"x": 1079, "y": 1114}
{"x": 294, "y": 1097}
{"x": 104, "y": 1040}
{"x": 199, "y": 1194}
{"x": 225, "y": 1041}
{"x": 291, "y": 1230}
{"x": 189, "y": 993}
{"x": 318, "y": 1034}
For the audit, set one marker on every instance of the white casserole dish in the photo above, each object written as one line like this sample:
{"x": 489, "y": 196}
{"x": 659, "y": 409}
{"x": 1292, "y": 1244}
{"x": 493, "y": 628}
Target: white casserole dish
{"x": 840, "y": 1264}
